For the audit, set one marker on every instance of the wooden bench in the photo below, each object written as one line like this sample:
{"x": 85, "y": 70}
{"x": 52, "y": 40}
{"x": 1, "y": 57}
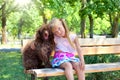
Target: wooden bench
{"x": 94, "y": 46}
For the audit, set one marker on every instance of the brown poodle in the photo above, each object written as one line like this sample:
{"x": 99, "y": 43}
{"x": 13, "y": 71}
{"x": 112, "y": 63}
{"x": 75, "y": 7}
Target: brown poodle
{"x": 36, "y": 53}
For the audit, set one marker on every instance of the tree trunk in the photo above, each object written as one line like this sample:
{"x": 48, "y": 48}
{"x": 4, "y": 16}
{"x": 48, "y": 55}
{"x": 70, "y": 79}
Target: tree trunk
{"x": 110, "y": 18}
{"x": 43, "y": 15}
{"x": 20, "y": 28}
{"x": 4, "y": 40}
{"x": 44, "y": 19}
{"x": 91, "y": 26}
{"x": 83, "y": 20}
{"x": 83, "y": 26}
{"x": 115, "y": 26}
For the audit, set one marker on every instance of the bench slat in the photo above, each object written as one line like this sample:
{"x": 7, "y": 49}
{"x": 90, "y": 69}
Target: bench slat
{"x": 89, "y": 68}
{"x": 89, "y": 41}
{"x": 101, "y": 50}
{"x": 99, "y": 41}
{"x": 102, "y": 67}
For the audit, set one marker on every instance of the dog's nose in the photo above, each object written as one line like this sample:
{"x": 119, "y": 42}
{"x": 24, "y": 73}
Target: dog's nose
{"x": 46, "y": 34}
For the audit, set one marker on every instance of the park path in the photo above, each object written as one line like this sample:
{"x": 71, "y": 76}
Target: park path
{"x": 9, "y": 49}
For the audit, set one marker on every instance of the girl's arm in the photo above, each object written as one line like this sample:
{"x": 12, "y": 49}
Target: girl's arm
{"x": 79, "y": 51}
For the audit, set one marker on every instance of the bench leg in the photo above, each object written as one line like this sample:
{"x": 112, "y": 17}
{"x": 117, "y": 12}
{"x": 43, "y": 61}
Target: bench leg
{"x": 33, "y": 77}
{"x": 45, "y": 78}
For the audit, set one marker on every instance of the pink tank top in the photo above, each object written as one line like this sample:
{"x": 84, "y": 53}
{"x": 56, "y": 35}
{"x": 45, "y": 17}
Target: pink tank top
{"x": 62, "y": 44}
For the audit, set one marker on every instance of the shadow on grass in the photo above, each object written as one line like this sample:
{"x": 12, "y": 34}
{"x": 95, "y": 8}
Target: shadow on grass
{"x": 11, "y": 66}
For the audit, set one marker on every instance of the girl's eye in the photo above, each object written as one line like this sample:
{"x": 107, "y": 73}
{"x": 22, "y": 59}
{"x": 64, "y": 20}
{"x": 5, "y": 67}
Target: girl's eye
{"x": 59, "y": 28}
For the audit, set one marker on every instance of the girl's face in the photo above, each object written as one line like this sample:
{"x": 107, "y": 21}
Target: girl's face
{"x": 58, "y": 29}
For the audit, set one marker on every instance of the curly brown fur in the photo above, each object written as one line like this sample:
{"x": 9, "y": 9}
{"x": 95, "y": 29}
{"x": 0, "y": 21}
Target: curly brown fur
{"x": 36, "y": 53}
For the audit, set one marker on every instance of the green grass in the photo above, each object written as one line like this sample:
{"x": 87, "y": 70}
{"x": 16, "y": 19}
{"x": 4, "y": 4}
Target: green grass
{"x": 11, "y": 67}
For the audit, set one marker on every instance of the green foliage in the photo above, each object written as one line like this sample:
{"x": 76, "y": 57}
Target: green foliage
{"x": 29, "y": 22}
{"x": 102, "y": 26}
{"x": 28, "y": 18}
{"x": 101, "y": 58}
{"x": 113, "y": 75}
{"x": 100, "y": 7}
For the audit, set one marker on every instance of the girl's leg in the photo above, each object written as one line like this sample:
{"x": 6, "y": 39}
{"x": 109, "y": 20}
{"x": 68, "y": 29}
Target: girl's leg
{"x": 68, "y": 70}
{"x": 80, "y": 73}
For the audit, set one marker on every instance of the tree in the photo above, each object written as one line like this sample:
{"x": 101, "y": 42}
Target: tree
{"x": 3, "y": 19}
{"x": 91, "y": 22}
{"x": 6, "y": 9}
{"x": 41, "y": 5}
{"x": 114, "y": 15}
{"x": 24, "y": 22}
{"x": 83, "y": 20}
{"x": 111, "y": 8}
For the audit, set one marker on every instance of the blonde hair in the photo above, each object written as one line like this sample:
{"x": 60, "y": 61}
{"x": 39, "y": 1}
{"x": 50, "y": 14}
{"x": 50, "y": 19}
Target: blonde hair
{"x": 52, "y": 25}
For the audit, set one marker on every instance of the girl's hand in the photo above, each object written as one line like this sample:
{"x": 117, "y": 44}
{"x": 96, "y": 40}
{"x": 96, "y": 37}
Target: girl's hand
{"x": 82, "y": 65}
{"x": 80, "y": 54}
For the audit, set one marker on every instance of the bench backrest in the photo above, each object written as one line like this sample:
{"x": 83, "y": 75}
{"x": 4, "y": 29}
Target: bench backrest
{"x": 94, "y": 46}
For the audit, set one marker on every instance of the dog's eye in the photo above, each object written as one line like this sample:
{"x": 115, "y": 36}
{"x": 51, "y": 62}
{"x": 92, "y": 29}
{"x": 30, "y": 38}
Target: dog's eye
{"x": 39, "y": 32}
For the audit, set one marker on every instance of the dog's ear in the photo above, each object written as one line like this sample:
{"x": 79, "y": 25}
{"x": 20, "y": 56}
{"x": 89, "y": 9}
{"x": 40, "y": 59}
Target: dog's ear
{"x": 32, "y": 46}
{"x": 38, "y": 34}
{"x": 41, "y": 29}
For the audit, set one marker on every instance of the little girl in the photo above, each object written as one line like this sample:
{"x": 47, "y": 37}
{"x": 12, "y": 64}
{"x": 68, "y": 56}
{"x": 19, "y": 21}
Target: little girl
{"x": 66, "y": 45}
